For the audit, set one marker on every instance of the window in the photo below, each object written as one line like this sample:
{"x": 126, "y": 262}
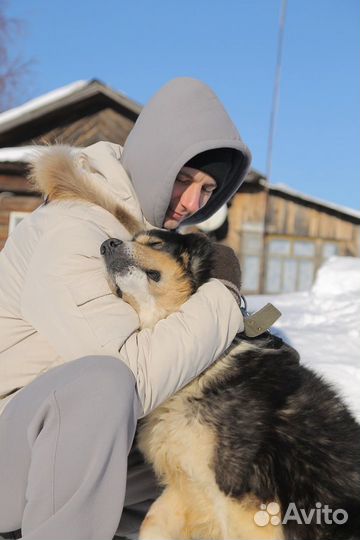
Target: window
{"x": 251, "y": 253}
{"x": 289, "y": 278}
{"x": 279, "y": 247}
{"x": 273, "y": 276}
{"x": 251, "y": 273}
{"x": 329, "y": 249}
{"x": 304, "y": 249}
{"x": 305, "y": 275}
{"x": 290, "y": 265}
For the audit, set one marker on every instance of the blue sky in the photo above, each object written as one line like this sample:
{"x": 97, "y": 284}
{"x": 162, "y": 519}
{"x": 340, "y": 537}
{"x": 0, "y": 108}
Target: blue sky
{"x": 136, "y": 46}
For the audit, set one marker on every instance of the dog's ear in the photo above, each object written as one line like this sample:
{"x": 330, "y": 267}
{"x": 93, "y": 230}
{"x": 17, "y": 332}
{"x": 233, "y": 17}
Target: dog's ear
{"x": 199, "y": 249}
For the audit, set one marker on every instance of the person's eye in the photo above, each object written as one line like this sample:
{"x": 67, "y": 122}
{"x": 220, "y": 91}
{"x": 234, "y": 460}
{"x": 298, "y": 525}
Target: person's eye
{"x": 183, "y": 180}
{"x": 154, "y": 275}
{"x": 209, "y": 189}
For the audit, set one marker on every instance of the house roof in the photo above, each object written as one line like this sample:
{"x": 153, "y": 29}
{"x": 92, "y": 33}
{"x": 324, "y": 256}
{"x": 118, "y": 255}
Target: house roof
{"x": 16, "y": 154}
{"x": 94, "y": 93}
{"x": 286, "y": 190}
{"x": 256, "y": 177}
{"x": 18, "y": 124}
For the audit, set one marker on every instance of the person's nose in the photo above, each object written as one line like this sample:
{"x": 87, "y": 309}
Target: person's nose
{"x": 190, "y": 199}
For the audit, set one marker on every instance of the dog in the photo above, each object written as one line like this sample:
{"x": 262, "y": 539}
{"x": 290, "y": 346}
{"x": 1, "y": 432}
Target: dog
{"x": 257, "y": 446}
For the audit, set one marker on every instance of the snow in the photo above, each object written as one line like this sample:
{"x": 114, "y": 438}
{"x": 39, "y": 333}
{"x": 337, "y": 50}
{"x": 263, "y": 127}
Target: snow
{"x": 17, "y": 154}
{"x": 324, "y": 325}
{"x": 41, "y": 101}
{"x": 344, "y": 209}
{"x": 341, "y": 276}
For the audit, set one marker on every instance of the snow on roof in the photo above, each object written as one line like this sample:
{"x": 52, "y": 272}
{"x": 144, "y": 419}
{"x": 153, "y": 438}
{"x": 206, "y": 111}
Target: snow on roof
{"x": 19, "y": 154}
{"x": 41, "y": 101}
{"x": 343, "y": 209}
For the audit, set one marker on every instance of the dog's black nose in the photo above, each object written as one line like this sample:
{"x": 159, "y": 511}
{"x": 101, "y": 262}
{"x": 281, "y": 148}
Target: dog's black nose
{"x": 114, "y": 242}
{"x": 110, "y": 245}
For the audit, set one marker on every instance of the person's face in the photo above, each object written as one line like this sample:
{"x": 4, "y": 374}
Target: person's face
{"x": 192, "y": 190}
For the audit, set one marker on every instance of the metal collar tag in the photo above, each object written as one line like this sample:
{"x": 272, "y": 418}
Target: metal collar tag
{"x": 260, "y": 321}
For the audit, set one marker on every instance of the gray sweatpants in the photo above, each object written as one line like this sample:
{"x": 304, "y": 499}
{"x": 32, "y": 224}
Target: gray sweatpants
{"x": 64, "y": 444}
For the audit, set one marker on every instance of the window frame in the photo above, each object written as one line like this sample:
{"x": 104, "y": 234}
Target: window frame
{"x": 316, "y": 258}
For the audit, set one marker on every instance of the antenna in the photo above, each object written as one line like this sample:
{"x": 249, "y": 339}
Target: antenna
{"x": 275, "y": 101}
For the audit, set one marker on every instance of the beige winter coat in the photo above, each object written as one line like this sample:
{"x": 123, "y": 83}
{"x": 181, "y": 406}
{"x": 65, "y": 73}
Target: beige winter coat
{"x": 56, "y": 305}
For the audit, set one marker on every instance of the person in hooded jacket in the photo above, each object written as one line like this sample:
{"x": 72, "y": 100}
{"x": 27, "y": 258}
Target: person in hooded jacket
{"x": 75, "y": 371}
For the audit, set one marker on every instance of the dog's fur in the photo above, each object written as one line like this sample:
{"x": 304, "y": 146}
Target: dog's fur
{"x": 255, "y": 427}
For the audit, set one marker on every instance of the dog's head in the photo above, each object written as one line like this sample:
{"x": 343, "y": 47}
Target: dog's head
{"x": 157, "y": 271}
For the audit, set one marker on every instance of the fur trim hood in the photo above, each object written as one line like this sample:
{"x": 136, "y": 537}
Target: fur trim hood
{"x": 94, "y": 175}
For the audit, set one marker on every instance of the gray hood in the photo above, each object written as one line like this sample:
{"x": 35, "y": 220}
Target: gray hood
{"x": 182, "y": 120}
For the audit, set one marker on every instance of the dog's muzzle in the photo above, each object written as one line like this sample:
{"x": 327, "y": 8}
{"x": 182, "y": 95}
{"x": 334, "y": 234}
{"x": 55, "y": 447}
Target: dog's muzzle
{"x": 117, "y": 255}
{"x": 109, "y": 247}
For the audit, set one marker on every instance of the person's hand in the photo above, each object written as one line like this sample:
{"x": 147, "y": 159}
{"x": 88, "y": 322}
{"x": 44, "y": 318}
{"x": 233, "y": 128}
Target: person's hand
{"x": 227, "y": 269}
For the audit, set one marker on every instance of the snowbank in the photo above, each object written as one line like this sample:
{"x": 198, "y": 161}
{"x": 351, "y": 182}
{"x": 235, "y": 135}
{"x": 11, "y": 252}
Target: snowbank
{"x": 340, "y": 275}
{"x": 324, "y": 325}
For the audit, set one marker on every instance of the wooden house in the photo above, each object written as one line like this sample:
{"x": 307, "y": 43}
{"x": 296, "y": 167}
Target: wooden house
{"x": 280, "y": 236}
{"x": 79, "y": 114}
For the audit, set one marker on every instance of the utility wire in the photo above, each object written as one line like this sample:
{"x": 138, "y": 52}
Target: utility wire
{"x": 276, "y": 92}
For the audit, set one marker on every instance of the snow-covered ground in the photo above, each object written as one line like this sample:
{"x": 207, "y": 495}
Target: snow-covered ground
{"x": 324, "y": 325}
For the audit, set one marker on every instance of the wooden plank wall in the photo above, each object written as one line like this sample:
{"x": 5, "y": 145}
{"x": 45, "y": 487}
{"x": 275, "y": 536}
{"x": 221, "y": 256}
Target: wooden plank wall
{"x": 106, "y": 125}
{"x": 13, "y": 182}
{"x": 290, "y": 218}
{"x": 247, "y": 208}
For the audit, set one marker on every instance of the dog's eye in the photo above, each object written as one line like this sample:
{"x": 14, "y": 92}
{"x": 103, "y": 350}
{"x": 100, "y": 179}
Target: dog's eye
{"x": 156, "y": 245}
{"x": 154, "y": 275}
{"x": 118, "y": 292}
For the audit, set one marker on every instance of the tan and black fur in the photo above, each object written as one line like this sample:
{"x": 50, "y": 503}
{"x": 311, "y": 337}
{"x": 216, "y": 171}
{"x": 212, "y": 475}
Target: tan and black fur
{"x": 256, "y": 427}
